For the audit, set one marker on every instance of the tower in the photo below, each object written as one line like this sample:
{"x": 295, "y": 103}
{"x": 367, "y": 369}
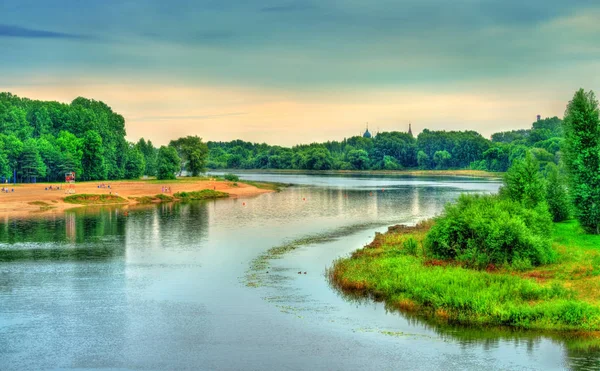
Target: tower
{"x": 409, "y": 129}
{"x": 367, "y": 134}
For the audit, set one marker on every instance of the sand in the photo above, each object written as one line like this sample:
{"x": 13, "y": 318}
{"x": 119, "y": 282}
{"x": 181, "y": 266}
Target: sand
{"x": 19, "y": 202}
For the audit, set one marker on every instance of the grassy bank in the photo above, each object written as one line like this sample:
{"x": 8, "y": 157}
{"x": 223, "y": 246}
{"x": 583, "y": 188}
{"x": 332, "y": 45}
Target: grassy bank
{"x": 271, "y": 186}
{"x": 205, "y": 194}
{"x": 94, "y": 199}
{"x": 158, "y": 198}
{"x": 560, "y": 296}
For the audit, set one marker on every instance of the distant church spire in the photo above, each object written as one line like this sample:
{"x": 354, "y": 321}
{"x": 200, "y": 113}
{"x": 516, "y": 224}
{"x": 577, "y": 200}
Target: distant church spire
{"x": 409, "y": 129}
{"x": 367, "y": 134}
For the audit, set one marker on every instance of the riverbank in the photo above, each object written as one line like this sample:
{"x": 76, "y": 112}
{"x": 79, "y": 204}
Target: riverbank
{"x": 28, "y": 199}
{"x": 425, "y": 173}
{"x": 560, "y": 296}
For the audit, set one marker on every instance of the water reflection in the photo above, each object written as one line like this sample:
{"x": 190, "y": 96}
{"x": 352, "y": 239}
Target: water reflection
{"x": 159, "y": 287}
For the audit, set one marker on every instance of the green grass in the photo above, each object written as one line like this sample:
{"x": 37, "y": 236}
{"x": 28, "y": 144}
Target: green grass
{"x": 205, "y": 194}
{"x": 560, "y": 296}
{"x": 571, "y": 234}
{"x": 94, "y": 199}
{"x": 153, "y": 199}
{"x": 163, "y": 197}
{"x": 272, "y": 186}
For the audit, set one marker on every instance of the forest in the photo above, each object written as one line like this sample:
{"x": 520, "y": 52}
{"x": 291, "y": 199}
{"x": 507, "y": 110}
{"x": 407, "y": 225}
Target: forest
{"x": 397, "y": 150}
{"x": 43, "y": 140}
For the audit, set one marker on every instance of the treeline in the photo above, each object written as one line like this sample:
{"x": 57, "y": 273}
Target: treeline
{"x": 397, "y": 150}
{"x": 41, "y": 141}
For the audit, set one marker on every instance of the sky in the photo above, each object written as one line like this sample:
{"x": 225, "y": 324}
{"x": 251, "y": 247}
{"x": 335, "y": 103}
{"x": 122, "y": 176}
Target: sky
{"x": 290, "y": 72}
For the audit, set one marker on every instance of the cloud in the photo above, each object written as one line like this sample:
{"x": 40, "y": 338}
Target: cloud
{"x": 16, "y": 31}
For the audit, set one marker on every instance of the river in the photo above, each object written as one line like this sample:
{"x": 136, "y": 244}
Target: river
{"x": 185, "y": 286}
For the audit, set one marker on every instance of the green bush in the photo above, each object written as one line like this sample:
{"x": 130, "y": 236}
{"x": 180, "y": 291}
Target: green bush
{"x": 557, "y": 195}
{"x": 410, "y": 246}
{"x": 482, "y": 230}
{"x": 524, "y": 183}
{"x": 231, "y": 177}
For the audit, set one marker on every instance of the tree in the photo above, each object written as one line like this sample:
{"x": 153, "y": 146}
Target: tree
{"x": 31, "y": 165}
{"x": 442, "y": 159}
{"x": 318, "y": 158}
{"x": 92, "y": 159}
{"x": 557, "y": 196}
{"x": 134, "y": 163}
{"x": 168, "y": 163}
{"x": 150, "y": 153}
{"x": 359, "y": 159}
{"x": 524, "y": 183}
{"x": 582, "y": 157}
{"x": 193, "y": 154}
{"x": 423, "y": 160}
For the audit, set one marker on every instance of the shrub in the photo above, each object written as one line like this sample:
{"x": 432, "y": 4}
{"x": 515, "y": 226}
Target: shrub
{"x": 482, "y": 230}
{"x": 524, "y": 183}
{"x": 231, "y": 177}
{"x": 410, "y": 246}
{"x": 557, "y": 196}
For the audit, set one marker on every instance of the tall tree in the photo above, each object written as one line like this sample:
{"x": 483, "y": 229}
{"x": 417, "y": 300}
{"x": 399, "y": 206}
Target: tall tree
{"x": 524, "y": 183}
{"x": 150, "y": 153}
{"x": 31, "y": 165}
{"x": 192, "y": 152}
{"x": 93, "y": 157}
{"x": 582, "y": 157}
{"x": 134, "y": 163}
{"x": 557, "y": 196}
{"x": 168, "y": 163}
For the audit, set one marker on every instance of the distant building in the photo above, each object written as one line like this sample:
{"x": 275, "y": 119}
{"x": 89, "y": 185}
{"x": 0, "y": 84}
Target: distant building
{"x": 539, "y": 117}
{"x": 409, "y": 129}
{"x": 367, "y": 134}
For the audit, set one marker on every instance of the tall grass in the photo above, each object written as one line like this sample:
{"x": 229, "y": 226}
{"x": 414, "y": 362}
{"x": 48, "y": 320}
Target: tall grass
{"x": 390, "y": 269}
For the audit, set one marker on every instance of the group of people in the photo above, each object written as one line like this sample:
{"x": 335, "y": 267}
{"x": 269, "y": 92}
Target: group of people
{"x": 7, "y": 190}
{"x": 166, "y": 189}
{"x": 55, "y": 188}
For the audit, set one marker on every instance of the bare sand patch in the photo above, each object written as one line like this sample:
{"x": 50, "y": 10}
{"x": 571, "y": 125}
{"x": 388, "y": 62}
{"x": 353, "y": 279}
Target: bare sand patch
{"x": 27, "y": 198}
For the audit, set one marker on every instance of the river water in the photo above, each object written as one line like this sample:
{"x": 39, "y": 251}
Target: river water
{"x": 185, "y": 286}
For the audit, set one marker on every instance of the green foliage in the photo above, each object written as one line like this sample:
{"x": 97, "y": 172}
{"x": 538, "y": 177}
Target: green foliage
{"x": 524, "y": 183}
{"x": 94, "y": 199}
{"x": 30, "y": 162}
{"x": 92, "y": 159}
{"x": 442, "y": 159}
{"x": 150, "y": 156}
{"x": 464, "y": 296}
{"x": 557, "y": 196}
{"x": 168, "y": 163}
{"x": 193, "y": 154}
{"x": 358, "y": 158}
{"x": 134, "y": 163}
{"x": 582, "y": 157}
{"x": 410, "y": 245}
{"x": 231, "y": 177}
{"x": 423, "y": 160}
{"x": 483, "y": 230}
{"x": 205, "y": 194}
{"x": 390, "y": 163}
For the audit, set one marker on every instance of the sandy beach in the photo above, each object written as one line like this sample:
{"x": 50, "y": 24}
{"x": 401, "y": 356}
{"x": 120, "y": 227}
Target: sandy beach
{"x": 29, "y": 199}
